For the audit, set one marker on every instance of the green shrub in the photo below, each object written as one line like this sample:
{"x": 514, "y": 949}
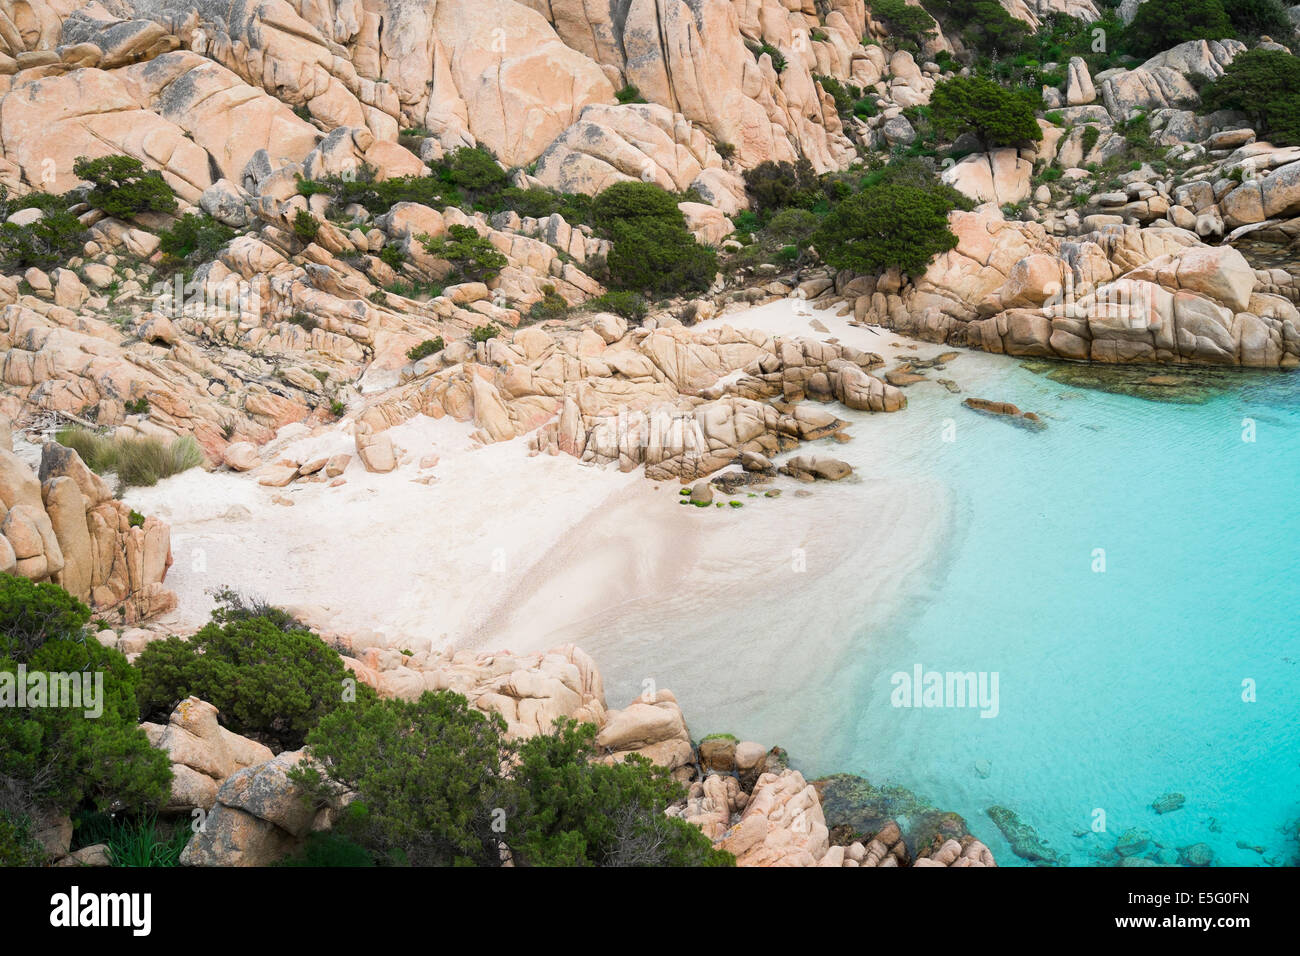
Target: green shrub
{"x": 31, "y": 613}
{"x": 194, "y": 238}
{"x": 135, "y": 460}
{"x": 983, "y": 25}
{"x": 865, "y": 107}
{"x": 474, "y": 170}
{"x": 662, "y": 257}
{"x": 137, "y": 406}
{"x": 630, "y": 201}
{"x": 776, "y": 185}
{"x": 574, "y": 810}
{"x": 629, "y": 94}
{"x": 427, "y": 775}
{"x": 894, "y": 222}
{"x": 269, "y": 677}
{"x": 844, "y": 95}
{"x": 552, "y": 305}
{"x": 627, "y": 304}
{"x": 482, "y": 333}
{"x": 473, "y": 255}
{"x": 18, "y": 844}
{"x": 997, "y": 116}
{"x": 412, "y": 289}
{"x": 1090, "y": 136}
{"x": 1161, "y": 24}
{"x": 1265, "y": 85}
{"x": 58, "y": 757}
{"x": 652, "y": 248}
{"x": 379, "y": 197}
{"x": 306, "y": 226}
{"x": 392, "y": 256}
{"x": 121, "y": 187}
{"x": 1259, "y": 18}
{"x": 51, "y": 240}
{"x": 778, "y": 58}
{"x": 325, "y": 848}
{"x": 337, "y": 408}
{"x": 912, "y": 23}
{"x": 793, "y": 225}
{"x": 425, "y": 349}
{"x": 304, "y": 321}
{"x": 539, "y": 203}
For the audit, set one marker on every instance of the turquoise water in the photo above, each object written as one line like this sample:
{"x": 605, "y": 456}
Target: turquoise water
{"x": 1114, "y": 687}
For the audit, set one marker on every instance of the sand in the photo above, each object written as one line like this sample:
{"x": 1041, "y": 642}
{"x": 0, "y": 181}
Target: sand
{"x": 747, "y": 614}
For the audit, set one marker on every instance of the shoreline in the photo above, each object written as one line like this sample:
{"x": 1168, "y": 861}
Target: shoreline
{"x": 526, "y": 552}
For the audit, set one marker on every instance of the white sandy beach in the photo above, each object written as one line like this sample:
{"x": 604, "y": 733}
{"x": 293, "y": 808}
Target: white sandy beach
{"x": 735, "y": 609}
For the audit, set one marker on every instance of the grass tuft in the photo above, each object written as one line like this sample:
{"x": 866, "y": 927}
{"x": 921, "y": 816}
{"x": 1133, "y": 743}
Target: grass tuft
{"x": 135, "y": 460}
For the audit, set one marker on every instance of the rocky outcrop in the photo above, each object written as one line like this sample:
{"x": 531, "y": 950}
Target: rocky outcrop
{"x": 1000, "y": 177}
{"x": 1163, "y": 81}
{"x": 63, "y": 525}
{"x": 680, "y": 403}
{"x": 652, "y": 726}
{"x": 259, "y": 817}
{"x": 199, "y": 91}
{"x": 1118, "y": 295}
{"x": 203, "y": 754}
{"x": 529, "y": 692}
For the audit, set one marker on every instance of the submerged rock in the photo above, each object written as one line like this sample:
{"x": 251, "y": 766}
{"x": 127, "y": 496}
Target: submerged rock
{"x": 812, "y": 467}
{"x": 1024, "y": 839}
{"x": 1168, "y": 803}
{"x": 1007, "y": 411}
{"x": 857, "y": 809}
{"x": 1198, "y": 854}
{"x": 1133, "y": 841}
{"x": 1182, "y": 386}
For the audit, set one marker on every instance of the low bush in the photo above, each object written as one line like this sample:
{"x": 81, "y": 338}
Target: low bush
{"x": 268, "y": 676}
{"x": 194, "y": 238}
{"x": 903, "y": 20}
{"x": 629, "y": 94}
{"x": 627, "y": 304}
{"x": 652, "y": 248}
{"x": 1161, "y": 24}
{"x": 552, "y": 305}
{"x": 474, "y": 256}
{"x": 777, "y": 185}
{"x": 18, "y": 844}
{"x": 120, "y": 186}
{"x": 898, "y": 220}
{"x": 1265, "y": 85}
{"x": 51, "y": 240}
{"x": 306, "y": 226}
{"x": 426, "y": 774}
{"x": 61, "y": 758}
{"x": 425, "y": 349}
{"x": 436, "y": 782}
{"x": 325, "y": 848}
{"x": 997, "y": 116}
{"x": 473, "y": 170}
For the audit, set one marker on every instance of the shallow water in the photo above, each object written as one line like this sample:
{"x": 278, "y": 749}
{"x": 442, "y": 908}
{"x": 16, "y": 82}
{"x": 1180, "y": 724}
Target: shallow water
{"x": 1115, "y": 686}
